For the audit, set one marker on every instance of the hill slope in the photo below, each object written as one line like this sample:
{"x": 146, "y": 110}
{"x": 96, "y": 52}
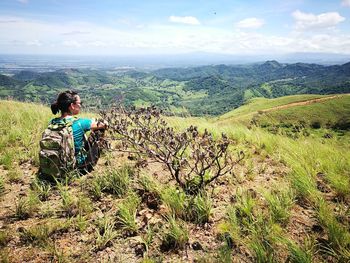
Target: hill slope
{"x": 285, "y": 194}
{"x": 328, "y": 111}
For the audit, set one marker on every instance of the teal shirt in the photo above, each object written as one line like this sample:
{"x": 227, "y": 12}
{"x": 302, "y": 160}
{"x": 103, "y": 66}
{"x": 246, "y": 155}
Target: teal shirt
{"x": 79, "y": 127}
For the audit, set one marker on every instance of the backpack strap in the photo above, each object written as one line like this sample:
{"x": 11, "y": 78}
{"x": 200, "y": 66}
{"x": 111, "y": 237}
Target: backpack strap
{"x": 58, "y": 124}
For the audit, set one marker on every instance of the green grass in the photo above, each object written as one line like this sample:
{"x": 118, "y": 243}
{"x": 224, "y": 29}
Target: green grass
{"x": 175, "y": 236}
{"x": 72, "y": 204}
{"x": 42, "y": 188}
{"x": 96, "y": 186}
{"x": 116, "y": 181}
{"x": 280, "y": 201}
{"x": 257, "y": 104}
{"x": 338, "y": 236}
{"x": 264, "y": 238}
{"x": 230, "y": 229}
{"x": 126, "y": 215}
{"x": 37, "y": 235}
{"x": 4, "y": 237}
{"x": 2, "y": 185}
{"x": 302, "y": 254}
{"x": 245, "y": 206}
{"x": 330, "y": 113}
{"x": 20, "y": 132}
{"x": 25, "y": 207}
{"x": 307, "y": 158}
{"x": 254, "y": 222}
{"x": 200, "y": 208}
{"x": 175, "y": 200}
{"x": 105, "y": 232}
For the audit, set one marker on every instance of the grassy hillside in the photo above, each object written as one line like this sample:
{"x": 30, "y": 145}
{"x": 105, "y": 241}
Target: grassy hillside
{"x": 332, "y": 113}
{"x": 328, "y": 110}
{"x": 254, "y": 105}
{"x": 288, "y": 201}
{"x": 22, "y": 125}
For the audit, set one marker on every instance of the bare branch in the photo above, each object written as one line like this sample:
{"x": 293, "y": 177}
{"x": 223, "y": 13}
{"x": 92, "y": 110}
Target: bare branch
{"x": 194, "y": 160}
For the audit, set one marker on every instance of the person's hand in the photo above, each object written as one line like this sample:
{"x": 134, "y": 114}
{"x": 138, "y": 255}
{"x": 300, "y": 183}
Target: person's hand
{"x": 105, "y": 124}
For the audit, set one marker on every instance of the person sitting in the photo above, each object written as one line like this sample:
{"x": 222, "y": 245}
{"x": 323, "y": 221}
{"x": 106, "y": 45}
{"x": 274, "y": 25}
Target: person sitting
{"x": 87, "y": 151}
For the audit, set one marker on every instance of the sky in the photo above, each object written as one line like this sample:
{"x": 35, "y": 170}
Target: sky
{"x": 130, "y": 27}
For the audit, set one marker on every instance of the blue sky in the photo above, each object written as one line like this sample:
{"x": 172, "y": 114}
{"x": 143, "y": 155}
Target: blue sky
{"x": 107, "y": 27}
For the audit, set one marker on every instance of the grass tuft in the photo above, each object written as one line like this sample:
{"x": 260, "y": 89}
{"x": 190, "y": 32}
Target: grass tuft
{"x": 114, "y": 181}
{"x": 2, "y": 186}
{"x": 245, "y": 205}
{"x": 42, "y": 188}
{"x": 175, "y": 236}
{"x": 26, "y": 207}
{"x": 302, "y": 254}
{"x": 280, "y": 202}
{"x": 4, "y": 238}
{"x": 38, "y": 235}
{"x": 96, "y": 186}
{"x": 230, "y": 229}
{"x": 105, "y": 233}
{"x": 338, "y": 236}
{"x": 126, "y": 215}
{"x": 176, "y": 200}
{"x": 199, "y": 208}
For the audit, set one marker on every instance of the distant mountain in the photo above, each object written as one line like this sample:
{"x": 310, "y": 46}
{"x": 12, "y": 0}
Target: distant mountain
{"x": 6, "y": 81}
{"x": 211, "y": 89}
{"x": 26, "y": 75}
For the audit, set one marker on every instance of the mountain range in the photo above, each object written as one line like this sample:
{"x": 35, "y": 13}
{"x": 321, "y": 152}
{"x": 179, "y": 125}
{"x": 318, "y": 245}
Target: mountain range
{"x": 211, "y": 89}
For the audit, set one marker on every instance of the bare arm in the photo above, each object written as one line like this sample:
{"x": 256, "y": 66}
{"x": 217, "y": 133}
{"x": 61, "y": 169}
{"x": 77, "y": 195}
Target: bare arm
{"x": 98, "y": 125}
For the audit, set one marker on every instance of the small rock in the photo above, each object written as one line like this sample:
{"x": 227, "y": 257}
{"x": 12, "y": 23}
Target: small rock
{"x": 197, "y": 246}
{"x": 140, "y": 249}
{"x": 317, "y": 228}
{"x": 154, "y": 221}
{"x": 233, "y": 199}
{"x": 148, "y": 216}
{"x": 252, "y": 192}
{"x": 84, "y": 238}
{"x": 141, "y": 212}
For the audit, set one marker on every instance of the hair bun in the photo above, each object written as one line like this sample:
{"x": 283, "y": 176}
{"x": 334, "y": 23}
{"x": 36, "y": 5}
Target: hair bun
{"x": 54, "y": 108}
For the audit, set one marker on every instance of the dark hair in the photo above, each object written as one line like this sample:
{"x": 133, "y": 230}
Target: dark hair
{"x": 63, "y": 101}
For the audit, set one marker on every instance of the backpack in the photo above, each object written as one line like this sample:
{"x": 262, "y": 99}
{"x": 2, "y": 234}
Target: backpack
{"x": 57, "y": 154}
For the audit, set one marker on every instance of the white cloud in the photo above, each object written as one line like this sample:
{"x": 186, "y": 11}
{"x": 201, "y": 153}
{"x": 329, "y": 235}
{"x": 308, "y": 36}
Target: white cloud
{"x": 8, "y": 21}
{"x": 345, "y": 3}
{"x": 72, "y": 33}
{"x": 307, "y": 21}
{"x": 98, "y": 44}
{"x": 190, "y": 20}
{"x": 26, "y": 35}
{"x": 250, "y": 23}
{"x": 34, "y": 43}
{"x": 71, "y": 43}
